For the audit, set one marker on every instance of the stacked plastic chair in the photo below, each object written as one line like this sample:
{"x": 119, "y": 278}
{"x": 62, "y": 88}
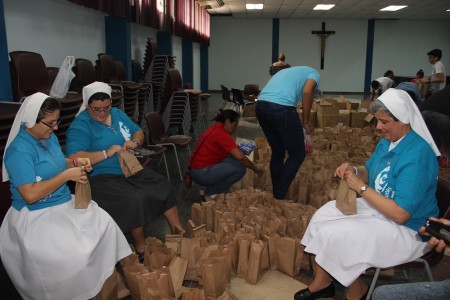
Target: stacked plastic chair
{"x": 157, "y": 76}
{"x": 151, "y": 49}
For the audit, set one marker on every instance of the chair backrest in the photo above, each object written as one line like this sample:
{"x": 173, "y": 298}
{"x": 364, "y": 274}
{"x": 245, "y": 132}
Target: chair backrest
{"x": 225, "y": 93}
{"x": 251, "y": 89}
{"x": 156, "y": 128}
{"x": 28, "y": 74}
{"x": 84, "y": 71}
{"x": 443, "y": 197}
{"x": 120, "y": 70}
{"x": 106, "y": 68}
{"x": 238, "y": 98}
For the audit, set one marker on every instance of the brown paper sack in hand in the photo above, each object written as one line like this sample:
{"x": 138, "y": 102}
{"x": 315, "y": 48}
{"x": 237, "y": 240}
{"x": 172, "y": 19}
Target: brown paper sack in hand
{"x": 109, "y": 289}
{"x": 346, "y": 199}
{"x": 129, "y": 163}
{"x": 83, "y": 195}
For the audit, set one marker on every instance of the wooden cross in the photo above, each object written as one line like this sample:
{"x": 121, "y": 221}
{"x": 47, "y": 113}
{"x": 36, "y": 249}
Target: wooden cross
{"x": 323, "y": 34}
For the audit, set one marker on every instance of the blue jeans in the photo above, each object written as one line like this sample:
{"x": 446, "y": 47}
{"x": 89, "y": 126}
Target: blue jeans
{"x": 437, "y": 290}
{"x": 218, "y": 178}
{"x": 284, "y": 131}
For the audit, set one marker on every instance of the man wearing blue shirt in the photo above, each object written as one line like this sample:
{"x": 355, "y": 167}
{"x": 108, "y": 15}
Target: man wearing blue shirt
{"x": 276, "y": 113}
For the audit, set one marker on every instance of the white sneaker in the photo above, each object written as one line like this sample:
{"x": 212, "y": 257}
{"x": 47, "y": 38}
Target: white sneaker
{"x": 210, "y": 197}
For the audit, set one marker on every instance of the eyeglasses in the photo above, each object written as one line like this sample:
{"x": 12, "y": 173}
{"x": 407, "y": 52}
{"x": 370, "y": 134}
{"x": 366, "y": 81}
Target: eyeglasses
{"x": 97, "y": 111}
{"x": 53, "y": 125}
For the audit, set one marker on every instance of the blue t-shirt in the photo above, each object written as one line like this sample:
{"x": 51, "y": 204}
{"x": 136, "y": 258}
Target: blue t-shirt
{"x": 286, "y": 86}
{"x": 28, "y": 160}
{"x": 87, "y": 134}
{"x": 408, "y": 175}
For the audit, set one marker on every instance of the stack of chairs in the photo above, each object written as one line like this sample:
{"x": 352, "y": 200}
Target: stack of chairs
{"x": 157, "y": 75}
{"x": 8, "y": 111}
{"x": 113, "y": 71}
{"x": 29, "y": 75}
{"x": 177, "y": 112}
{"x": 85, "y": 74}
{"x": 151, "y": 49}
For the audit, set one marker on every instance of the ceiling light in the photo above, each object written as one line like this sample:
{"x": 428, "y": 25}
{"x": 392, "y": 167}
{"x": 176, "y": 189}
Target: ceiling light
{"x": 393, "y": 7}
{"x": 254, "y": 6}
{"x": 323, "y": 7}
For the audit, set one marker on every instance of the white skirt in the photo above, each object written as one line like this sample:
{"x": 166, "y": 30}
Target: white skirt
{"x": 347, "y": 245}
{"x": 60, "y": 252}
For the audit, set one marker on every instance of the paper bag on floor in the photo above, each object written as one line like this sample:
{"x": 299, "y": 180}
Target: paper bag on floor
{"x": 346, "y": 199}
{"x": 286, "y": 255}
{"x": 214, "y": 277}
{"x": 131, "y": 276}
{"x": 83, "y": 195}
{"x": 109, "y": 289}
{"x": 178, "y": 267}
{"x": 129, "y": 260}
{"x": 129, "y": 163}
{"x": 192, "y": 294}
{"x": 254, "y": 262}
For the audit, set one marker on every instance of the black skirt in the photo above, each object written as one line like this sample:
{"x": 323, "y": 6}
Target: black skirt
{"x": 134, "y": 201}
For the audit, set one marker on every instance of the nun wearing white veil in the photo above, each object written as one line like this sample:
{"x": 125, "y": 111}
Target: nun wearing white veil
{"x": 51, "y": 250}
{"x": 397, "y": 187}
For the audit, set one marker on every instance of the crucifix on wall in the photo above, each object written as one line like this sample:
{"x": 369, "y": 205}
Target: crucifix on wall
{"x": 323, "y": 34}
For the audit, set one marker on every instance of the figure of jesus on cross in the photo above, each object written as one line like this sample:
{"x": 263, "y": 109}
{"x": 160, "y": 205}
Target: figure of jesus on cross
{"x": 323, "y": 34}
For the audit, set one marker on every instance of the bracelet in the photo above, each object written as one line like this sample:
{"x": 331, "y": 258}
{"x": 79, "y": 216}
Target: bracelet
{"x": 356, "y": 171}
{"x": 75, "y": 164}
{"x": 105, "y": 155}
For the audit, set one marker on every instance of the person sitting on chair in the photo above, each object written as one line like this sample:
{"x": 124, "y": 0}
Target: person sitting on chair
{"x": 100, "y": 132}
{"x": 50, "y": 249}
{"x": 217, "y": 162}
{"x": 392, "y": 207}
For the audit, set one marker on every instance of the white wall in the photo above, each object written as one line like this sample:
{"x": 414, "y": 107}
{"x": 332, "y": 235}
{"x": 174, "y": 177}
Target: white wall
{"x": 403, "y": 46}
{"x": 239, "y": 53}
{"x": 177, "y": 52}
{"x": 139, "y": 36}
{"x": 55, "y": 29}
{"x": 240, "y": 50}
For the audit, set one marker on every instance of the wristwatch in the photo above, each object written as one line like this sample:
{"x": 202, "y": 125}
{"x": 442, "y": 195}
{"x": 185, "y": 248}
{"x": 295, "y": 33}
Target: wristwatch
{"x": 363, "y": 189}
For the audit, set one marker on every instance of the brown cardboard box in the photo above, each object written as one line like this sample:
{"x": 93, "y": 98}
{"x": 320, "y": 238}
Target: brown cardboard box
{"x": 344, "y": 117}
{"x": 327, "y": 114}
{"x": 357, "y": 119}
{"x": 312, "y": 117}
{"x": 366, "y": 104}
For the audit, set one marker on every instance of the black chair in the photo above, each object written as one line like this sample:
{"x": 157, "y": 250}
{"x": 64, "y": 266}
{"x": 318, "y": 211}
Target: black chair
{"x": 239, "y": 100}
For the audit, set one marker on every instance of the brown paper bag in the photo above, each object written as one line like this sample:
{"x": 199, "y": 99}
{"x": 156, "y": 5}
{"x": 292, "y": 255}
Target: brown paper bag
{"x": 129, "y": 163}
{"x": 83, "y": 195}
{"x": 192, "y": 294}
{"x": 254, "y": 262}
{"x": 346, "y": 199}
{"x": 286, "y": 255}
{"x": 178, "y": 267}
{"x": 214, "y": 277}
{"x": 109, "y": 289}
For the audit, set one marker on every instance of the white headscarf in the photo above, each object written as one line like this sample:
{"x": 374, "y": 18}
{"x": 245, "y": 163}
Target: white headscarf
{"x": 405, "y": 110}
{"x": 27, "y": 115}
{"x": 91, "y": 89}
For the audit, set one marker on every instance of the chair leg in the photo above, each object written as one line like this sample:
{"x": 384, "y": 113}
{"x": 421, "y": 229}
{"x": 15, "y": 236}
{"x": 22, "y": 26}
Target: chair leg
{"x": 374, "y": 282}
{"x": 178, "y": 163}
{"x": 167, "y": 168}
{"x": 427, "y": 268}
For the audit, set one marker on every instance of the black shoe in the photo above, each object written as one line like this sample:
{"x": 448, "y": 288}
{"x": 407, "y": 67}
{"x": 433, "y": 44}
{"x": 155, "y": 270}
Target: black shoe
{"x": 305, "y": 294}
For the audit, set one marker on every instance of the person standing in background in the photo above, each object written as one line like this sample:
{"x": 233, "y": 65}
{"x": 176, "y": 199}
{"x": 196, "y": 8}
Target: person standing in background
{"x": 279, "y": 65}
{"x": 437, "y": 79}
{"x": 276, "y": 113}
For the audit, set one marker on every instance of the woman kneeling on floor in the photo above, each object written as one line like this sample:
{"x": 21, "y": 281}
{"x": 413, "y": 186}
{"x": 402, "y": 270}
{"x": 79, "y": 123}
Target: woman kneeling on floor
{"x": 217, "y": 162}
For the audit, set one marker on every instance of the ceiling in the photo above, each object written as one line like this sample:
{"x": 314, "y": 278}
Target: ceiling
{"x": 423, "y": 10}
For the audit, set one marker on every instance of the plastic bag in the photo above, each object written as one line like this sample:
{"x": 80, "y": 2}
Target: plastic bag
{"x": 62, "y": 81}
{"x": 308, "y": 143}
{"x": 247, "y": 146}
